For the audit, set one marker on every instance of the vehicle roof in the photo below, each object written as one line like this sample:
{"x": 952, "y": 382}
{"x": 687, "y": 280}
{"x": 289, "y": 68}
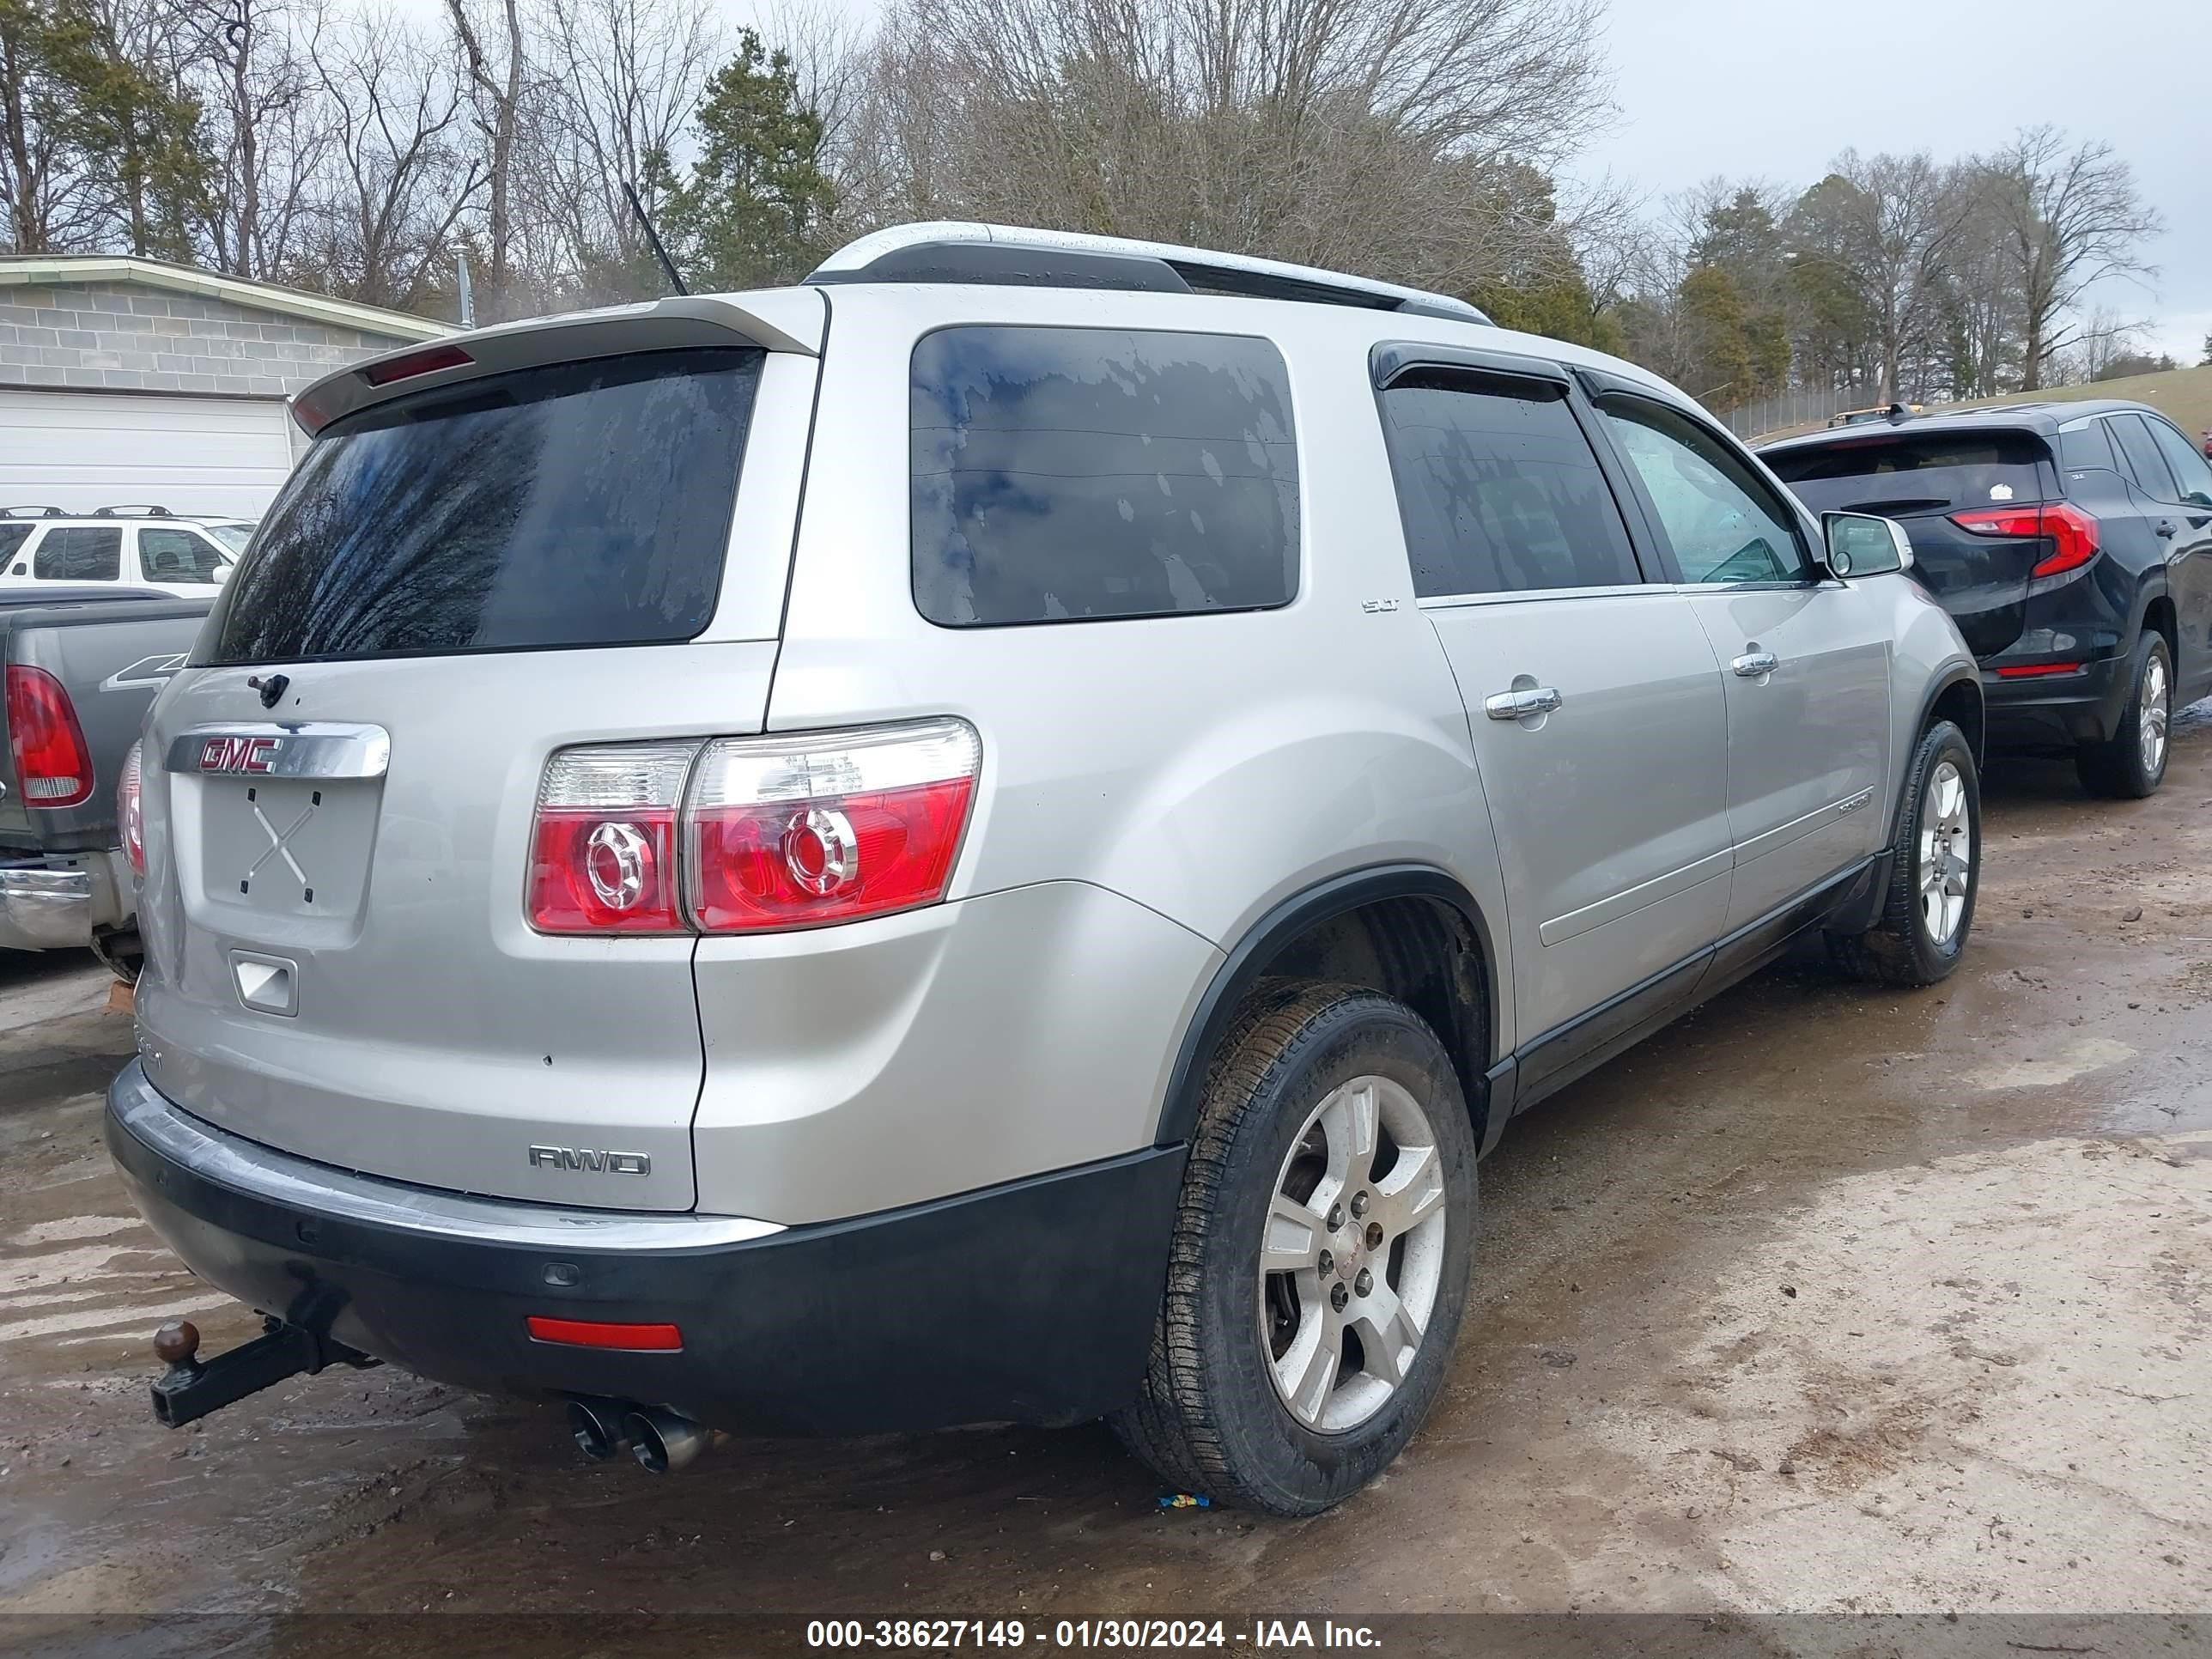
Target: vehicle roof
{"x": 29, "y": 514}
{"x": 2044, "y": 418}
{"x": 793, "y": 319}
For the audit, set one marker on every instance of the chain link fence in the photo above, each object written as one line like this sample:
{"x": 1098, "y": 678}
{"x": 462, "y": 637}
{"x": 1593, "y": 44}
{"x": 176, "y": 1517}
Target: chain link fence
{"x": 1787, "y": 410}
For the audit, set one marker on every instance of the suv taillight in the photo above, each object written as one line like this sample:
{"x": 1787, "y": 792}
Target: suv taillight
{"x": 602, "y": 850}
{"x": 130, "y": 813}
{"x": 2072, "y": 532}
{"x": 770, "y": 832}
{"x": 52, "y": 765}
{"x": 797, "y": 831}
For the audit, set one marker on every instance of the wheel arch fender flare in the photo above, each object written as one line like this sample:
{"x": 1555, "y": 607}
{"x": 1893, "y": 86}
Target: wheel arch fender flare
{"x": 1953, "y": 676}
{"x": 1247, "y": 958}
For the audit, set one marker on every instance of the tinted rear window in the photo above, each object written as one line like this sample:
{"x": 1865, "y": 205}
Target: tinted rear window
{"x": 1075, "y": 474}
{"x": 79, "y": 553}
{"x": 581, "y": 504}
{"x": 1930, "y": 472}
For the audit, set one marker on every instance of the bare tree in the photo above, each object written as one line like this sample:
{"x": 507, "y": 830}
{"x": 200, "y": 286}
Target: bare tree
{"x": 2075, "y": 219}
{"x": 1371, "y": 135}
{"x": 1888, "y": 223}
{"x": 273, "y": 128}
{"x": 402, "y": 177}
{"x": 627, "y": 77}
{"x": 495, "y": 59}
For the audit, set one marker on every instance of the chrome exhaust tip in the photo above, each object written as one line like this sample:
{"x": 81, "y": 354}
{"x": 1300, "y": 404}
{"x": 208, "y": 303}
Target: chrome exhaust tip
{"x": 597, "y": 1425}
{"x": 662, "y": 1440}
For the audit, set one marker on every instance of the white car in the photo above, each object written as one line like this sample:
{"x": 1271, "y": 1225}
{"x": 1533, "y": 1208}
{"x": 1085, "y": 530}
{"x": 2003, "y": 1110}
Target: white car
{"x": 133, "y": 547}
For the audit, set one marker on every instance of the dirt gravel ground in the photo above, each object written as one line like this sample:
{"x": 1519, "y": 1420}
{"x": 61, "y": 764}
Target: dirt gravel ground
{"x": 1827, "y": 1300}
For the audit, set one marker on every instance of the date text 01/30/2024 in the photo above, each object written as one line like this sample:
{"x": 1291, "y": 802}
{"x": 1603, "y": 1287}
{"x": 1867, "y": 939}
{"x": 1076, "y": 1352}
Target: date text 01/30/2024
{"x": 1262, "y": 1635}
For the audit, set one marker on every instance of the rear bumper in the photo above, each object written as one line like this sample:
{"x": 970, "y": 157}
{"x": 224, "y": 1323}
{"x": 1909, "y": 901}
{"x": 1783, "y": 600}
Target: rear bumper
{"x": 2060, "y": 710}
{"x": 60, "y": 901}
{"x": 1032, "y": 1302}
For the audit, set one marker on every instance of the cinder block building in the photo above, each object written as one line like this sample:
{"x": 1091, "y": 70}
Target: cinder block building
{"x": 132, "y": 380}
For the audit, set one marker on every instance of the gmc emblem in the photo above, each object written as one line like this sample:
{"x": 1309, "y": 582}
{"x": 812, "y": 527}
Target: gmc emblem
{"x": 239, "y": 754}
{"x": 581, "y": 1158}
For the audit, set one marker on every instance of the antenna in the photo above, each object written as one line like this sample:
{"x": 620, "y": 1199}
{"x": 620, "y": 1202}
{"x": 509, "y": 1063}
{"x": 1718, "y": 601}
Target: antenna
{"x": 468, "y": 299}
{"x": 675, "y": 278}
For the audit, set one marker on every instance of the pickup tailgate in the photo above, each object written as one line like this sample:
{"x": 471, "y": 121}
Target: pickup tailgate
{"x": 109, "y": 657}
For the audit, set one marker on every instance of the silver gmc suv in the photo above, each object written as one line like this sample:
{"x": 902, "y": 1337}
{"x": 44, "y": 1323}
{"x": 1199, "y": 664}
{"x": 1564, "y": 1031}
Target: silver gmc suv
{"x": 990, "y": 837}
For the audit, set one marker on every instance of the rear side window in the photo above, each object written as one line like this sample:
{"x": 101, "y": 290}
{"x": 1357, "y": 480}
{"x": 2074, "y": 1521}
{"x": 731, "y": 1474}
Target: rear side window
{"x": 2086, "y": 448}
{"x": 1075, "y": 474}
{"x": 12, "y": 536}
{"x": 574, "y": 505}
{"x": 1498, "y": 489}
{"x": 1928, "y": 472}
{"x": 79, "y": 553}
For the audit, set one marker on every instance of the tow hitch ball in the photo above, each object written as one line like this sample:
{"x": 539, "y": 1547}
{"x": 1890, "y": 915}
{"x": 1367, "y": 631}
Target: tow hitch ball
{"x": 193, "y": 1387}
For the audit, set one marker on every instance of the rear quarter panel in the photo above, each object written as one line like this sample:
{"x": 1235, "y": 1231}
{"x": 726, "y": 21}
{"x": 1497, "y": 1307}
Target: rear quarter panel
{"x": 1199, "y": 768}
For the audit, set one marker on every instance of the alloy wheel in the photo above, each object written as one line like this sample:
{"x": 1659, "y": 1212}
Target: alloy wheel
{"x": 1352, "y": 1254}
{"x": 2151, "y": 724}
{"x": 1946, "y": 854}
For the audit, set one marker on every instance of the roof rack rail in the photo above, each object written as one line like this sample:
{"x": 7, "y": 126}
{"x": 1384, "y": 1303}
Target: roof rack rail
{"x": 31, "y": 512}
{"x": 133, "y": 510}
{"x": 960, "y": 251}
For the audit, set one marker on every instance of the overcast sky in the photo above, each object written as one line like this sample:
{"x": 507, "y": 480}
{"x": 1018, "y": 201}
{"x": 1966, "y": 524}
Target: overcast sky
{"x": 1773, "y": 88}
{"x": 1730, "y": 87}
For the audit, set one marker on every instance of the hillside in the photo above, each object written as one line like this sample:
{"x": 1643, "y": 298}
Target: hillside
{"x": 2185, "y": 395}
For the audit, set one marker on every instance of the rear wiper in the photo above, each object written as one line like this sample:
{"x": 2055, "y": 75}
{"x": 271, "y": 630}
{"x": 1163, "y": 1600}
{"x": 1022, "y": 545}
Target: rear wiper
{"x": 1907, "y": 504}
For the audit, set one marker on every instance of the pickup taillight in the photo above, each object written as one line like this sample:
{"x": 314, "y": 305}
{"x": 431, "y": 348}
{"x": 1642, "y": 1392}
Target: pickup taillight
{"x": 751, "y": 834}
{"x": 52, "y": 765}
{"x": 129, "y": 811}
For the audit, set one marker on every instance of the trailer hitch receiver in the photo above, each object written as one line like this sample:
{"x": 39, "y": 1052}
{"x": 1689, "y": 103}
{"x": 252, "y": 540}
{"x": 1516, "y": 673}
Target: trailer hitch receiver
{"x": 193, "y": 1387}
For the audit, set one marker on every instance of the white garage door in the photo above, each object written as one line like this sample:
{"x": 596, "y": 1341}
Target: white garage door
{"x": 82, "y": 450}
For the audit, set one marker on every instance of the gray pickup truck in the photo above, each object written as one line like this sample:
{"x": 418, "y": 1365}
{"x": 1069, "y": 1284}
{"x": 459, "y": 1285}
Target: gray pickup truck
{"x": 80, "y": 665}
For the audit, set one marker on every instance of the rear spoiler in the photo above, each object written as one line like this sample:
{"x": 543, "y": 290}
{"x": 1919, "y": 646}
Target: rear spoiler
{"x": 778, "y": 320}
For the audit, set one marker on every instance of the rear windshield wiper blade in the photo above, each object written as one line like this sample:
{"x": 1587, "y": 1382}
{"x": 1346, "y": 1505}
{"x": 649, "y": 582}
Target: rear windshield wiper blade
{"x": 1905, "y": 504}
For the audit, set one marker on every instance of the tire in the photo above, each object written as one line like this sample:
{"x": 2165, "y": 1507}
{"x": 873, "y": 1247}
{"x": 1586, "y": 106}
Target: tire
{"x": 1913, "y": 943}
{"x": 122, "y": 954}
{"x": 2131, "y": 763}
{"x": 1288, "y": 1079}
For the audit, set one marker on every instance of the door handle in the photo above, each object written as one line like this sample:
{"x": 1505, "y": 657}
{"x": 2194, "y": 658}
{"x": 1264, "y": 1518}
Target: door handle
{"x": 1752, "y": 664}
{"x": 1519, "y": 705}
{"x": 2165, "y": 529}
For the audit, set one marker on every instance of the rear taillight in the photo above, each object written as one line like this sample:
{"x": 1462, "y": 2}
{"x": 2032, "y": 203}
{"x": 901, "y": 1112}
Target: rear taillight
{"x": 2071, "y": 532}
{"x": 797, "y": 831}
{"x": 130, "y": 814}
{"x": 602, "y": 850}
{"x": 770, "y": 834}
{"x": 52, "y": 765}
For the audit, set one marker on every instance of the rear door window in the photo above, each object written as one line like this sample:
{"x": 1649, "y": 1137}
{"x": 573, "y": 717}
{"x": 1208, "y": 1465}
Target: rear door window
{"x": 1498, "y": 489}
{"x": 2190, "y": 470}
{"x": 1925, "y": 472}
{"x": 1075, "y": 474}
{"x": 580, "y": 504}
{"x": 1724, "y": 523}
{"x": 79, "y": 553}
{"x": 2143, "y": 457}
